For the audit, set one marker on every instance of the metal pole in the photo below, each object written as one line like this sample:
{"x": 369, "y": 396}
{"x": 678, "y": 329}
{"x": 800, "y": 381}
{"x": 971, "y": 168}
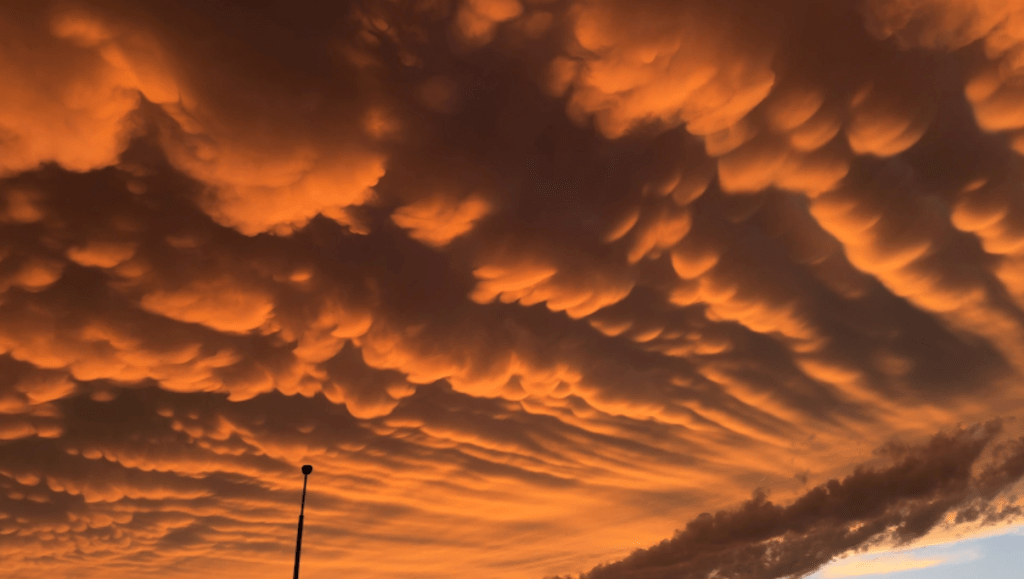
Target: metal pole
{"x": 306, "y": 469}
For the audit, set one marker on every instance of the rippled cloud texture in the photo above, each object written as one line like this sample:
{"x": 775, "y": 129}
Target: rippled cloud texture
{"x": 531, "y": 283}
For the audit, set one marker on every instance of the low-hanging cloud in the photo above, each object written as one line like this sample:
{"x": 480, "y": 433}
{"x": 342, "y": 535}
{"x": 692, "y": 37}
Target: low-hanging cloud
{"x": 939, "y": 482}
{"x": 529, "y": 282}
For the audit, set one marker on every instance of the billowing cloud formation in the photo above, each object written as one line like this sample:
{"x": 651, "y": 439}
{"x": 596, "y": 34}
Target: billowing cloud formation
{"x": 530, "y": 282}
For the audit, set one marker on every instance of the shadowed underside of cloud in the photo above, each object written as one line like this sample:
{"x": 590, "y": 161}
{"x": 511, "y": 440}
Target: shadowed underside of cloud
{"x": 940, "y": 482}
{"x": 528, "y": 281}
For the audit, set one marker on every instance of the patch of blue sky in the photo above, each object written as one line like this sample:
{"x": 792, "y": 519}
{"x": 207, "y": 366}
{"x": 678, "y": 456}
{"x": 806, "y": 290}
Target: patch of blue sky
{"x": 994, "y": 557}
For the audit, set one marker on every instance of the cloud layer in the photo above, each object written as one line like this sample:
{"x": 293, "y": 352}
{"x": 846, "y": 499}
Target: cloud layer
{"x": 928, "y": 485}
{"x": 530, "y": 282}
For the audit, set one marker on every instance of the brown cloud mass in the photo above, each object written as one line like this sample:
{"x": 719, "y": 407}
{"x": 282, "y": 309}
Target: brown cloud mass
{"x": 530, "y": 282}
{"x": 897, "y": 504}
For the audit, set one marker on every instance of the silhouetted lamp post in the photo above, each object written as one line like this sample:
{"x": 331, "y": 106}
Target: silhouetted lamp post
{"x": 306, "y": 469}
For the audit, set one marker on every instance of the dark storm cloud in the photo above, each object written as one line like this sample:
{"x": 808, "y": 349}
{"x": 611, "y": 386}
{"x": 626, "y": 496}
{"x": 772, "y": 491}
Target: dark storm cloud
{"x": 929, "y": 484}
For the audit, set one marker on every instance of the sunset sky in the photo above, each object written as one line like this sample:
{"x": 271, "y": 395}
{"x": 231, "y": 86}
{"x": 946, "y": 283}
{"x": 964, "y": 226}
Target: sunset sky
{"x": 601, "y": 289}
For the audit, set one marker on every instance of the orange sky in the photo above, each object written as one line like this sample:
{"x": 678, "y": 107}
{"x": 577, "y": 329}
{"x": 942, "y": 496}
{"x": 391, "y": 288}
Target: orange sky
{"x": 532, "y": 284}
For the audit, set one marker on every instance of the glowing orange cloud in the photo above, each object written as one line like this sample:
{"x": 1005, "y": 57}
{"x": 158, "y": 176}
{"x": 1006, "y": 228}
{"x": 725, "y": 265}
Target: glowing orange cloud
{"x": 531, "y": 283}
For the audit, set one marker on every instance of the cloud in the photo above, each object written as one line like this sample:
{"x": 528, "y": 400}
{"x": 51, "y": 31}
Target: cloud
{"x": 678, "y": 64}
{"x": 878, "y": 565}
{"x": 895, "y": 504}
{"x": 264, "y": 175}
{"x": 437, "y": 223}
{"x": 69, "y": 93}
{"x": 528, "y": 282}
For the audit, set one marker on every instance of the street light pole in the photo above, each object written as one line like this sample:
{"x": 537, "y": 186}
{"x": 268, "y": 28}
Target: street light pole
{"x": 306, "y": 469}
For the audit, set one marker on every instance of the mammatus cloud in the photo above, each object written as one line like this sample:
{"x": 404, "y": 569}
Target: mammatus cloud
{"x": 531, "y": 283}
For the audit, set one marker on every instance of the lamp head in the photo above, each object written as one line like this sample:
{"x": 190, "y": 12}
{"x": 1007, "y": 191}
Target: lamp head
{"x": 307, "y": 468}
